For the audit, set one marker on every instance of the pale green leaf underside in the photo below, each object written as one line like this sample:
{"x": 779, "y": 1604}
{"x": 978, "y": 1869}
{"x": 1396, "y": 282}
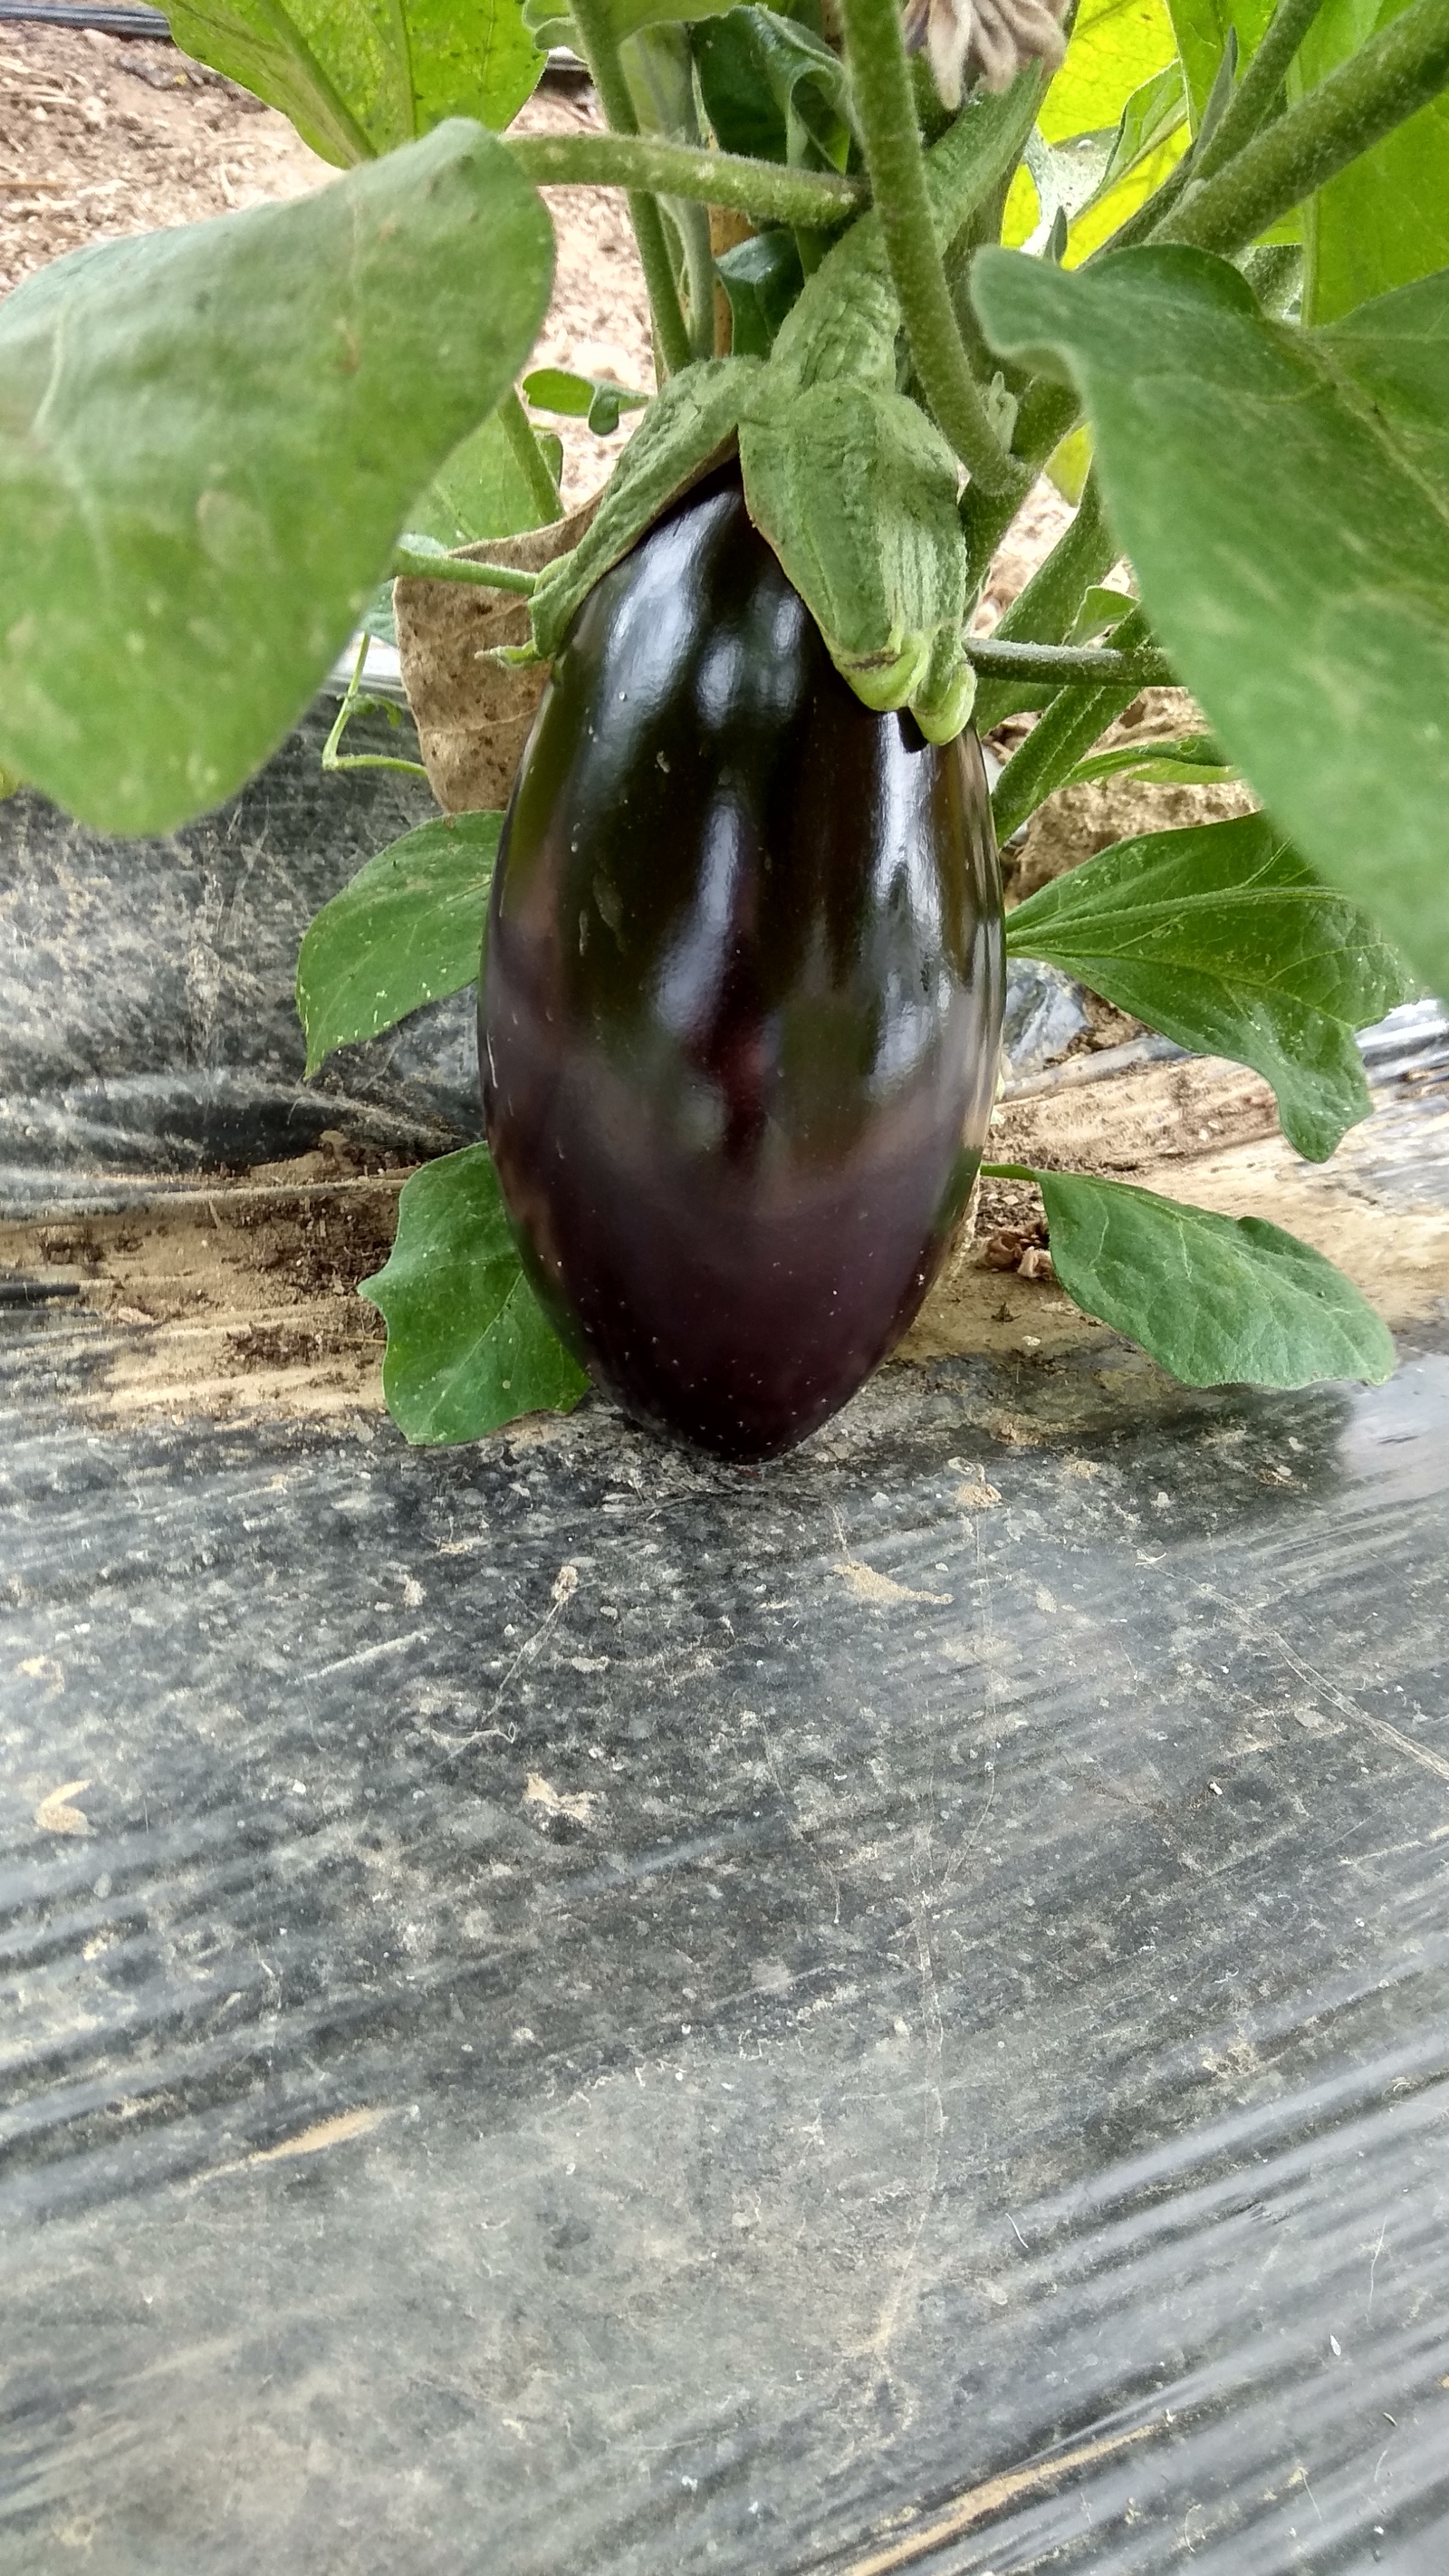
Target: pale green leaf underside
{"x": 407, "y": 930}
{"x": 1219, "y": 1301}
{"x": 360, "y": 77}
{"x": 1235, "y": 455}
{"x": 209, "y": 440}
{"x": 1220, "y": 937}
{"x": 468, "y": 1347}
{"x": 1189, "y": 760}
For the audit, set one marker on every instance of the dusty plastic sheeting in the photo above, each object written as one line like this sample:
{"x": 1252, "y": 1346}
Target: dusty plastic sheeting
{"x": 146, "y": 1018}
{"x": 574, "y": 2010}
{"x": 586, "y": 2011}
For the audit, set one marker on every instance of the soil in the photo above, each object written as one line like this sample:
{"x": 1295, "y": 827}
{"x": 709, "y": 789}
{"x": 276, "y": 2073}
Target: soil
{"x": 100, "y": 137}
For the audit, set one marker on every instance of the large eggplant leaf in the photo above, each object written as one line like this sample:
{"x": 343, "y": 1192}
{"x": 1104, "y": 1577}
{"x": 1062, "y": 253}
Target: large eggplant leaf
{"x": 1385, "y": 219}
{"x": 1220, "y": 937}
{"x": 1284, "y": 497}
{"x": 468, "y": 1345}
{"x": 359, "y": 77}
{"x": 405, "y": 931}
{"x": 209, "y": 440}
{"x": 1220, "y": 1301}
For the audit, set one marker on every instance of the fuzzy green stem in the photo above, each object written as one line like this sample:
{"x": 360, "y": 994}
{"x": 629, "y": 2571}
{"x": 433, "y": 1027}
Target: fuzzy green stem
{"x": 814, "y": 198}
{"x": 355, "y": 704}
{"x": 886, "y": 109}
{"x": 1069, "y": 728}
{"x": 529, "y": 457}
{"x": 1065, "y": 665}
{"x": 1252, "y": 101}
{"x": 410, "y": 564}
{"x": 601, "y": 52}
{"x": 1008, "y": 1172}
{"x": 1387, "y": 81}
{"x": 1043, "y": 611}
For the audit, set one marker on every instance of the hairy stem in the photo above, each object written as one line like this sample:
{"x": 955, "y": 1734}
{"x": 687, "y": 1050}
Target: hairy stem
{"x": 1069, "y": 728}
{"x": 1387, "y": 81}
{"x": 1252, "y": 101}
{"x": 1042, "y": 612}
{"x": 601, "y": 51}
{"x": 815, "y": 198}
{"x": 408, "y": 564}
{"x": 887, "y": 114}
{"x": 1067, "y": 664}
{"x": 529, "y": 457}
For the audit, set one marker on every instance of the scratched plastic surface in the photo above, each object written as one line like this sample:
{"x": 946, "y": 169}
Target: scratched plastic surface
{"x": 577, "y": 2013}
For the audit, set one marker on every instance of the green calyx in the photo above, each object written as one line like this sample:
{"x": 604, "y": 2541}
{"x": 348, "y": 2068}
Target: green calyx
{"x": 847, "y": 478}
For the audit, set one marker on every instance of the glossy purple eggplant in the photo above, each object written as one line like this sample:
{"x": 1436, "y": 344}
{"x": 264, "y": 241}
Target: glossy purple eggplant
{"x": 741, "y": 1000}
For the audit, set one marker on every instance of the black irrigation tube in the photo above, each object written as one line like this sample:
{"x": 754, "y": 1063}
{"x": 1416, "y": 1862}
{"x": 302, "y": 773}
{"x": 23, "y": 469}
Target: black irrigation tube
{"x": 134, "y": 21}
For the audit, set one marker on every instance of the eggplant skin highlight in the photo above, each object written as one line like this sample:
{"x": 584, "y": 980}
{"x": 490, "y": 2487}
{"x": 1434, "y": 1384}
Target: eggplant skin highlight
{"x": 740, "y": 1010}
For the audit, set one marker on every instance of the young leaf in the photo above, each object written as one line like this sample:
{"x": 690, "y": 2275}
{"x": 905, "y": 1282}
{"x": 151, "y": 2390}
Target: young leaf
{"x": 1191, "y": 760}
{"x": 407, "y": 930}
{"x": 762, "y": 278}
{"x": 1100, "y": 611}
{"x": 1283, "y": 496}
{"x": 1220, "y": 1301}
{"x": 774, "y": 90}
{"x": 1221, "y": 938}
{"x": 209, "y": 439}
{"x": 356, "y": 78}
{"x": 468, "y": 1345}
{"x": 595, "y": 399}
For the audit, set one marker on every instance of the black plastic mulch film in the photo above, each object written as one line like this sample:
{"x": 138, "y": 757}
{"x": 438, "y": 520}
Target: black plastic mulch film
{"x": 573, "y": 2010}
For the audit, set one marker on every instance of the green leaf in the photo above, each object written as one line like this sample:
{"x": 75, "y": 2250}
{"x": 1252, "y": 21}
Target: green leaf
{"x": 774, "y": 90}
{"x": 1151, "y": 114}
{"x": 1219, "y": 1301}
{"x": 1100, "y": 611}
{"x": 1188, "y": 760}
{"x": 762, "y": 278}
{"x": 359, "y": 77}
{"x": 468, "y": 1345}
{"x": 1116, "y": 46}
{"x": 1202, "y": 28}
{"x": 209, "y": 439}
{"x": 1385, "y": 219}
{"x": 596, "y": 399}
{"x": 481, "y": 492}
{"x": 1283, "y": 496}
{"x": 1220, "y": 937}
{"x": 407, "y": 930}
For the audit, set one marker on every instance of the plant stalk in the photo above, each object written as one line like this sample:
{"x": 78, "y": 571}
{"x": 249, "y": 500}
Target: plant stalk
{"x": 818, "y": 199}
{"x": 1058, "y": 741}
{"x": 409, "y": 565}
{"x": 529, "y": 457}
{"x": 886, "y": 110}
{"x": 1252, "y": 101}
{"x": 1064, "y": 665}
{"x": 601, "y": 52}
{"x": 1043, "y": 611}
{"x": 1387, "y": 81}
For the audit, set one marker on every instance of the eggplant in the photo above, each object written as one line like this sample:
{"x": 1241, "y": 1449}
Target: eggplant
{"x": 741, "y": 1000}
